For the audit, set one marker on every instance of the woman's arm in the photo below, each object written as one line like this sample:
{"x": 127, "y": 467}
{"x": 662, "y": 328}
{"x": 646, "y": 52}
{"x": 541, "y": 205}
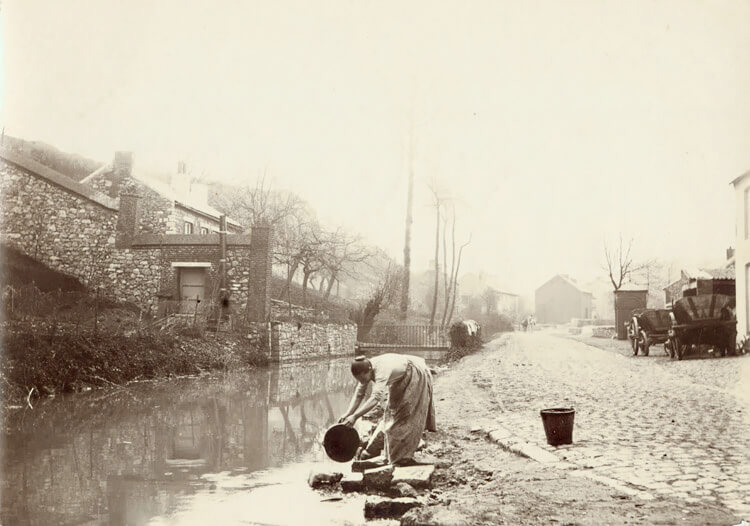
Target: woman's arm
{"x": 366, "y": 407}
{"x": 354, "y": 404}
{"x": 349, "y": 419}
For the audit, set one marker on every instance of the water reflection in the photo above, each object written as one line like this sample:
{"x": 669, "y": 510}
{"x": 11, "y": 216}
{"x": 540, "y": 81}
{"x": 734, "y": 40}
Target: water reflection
{"x": 129, "y": 456}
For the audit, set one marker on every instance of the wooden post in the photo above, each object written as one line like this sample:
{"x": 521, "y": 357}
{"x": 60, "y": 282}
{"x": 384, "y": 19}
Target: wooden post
{"x": 96, "y": 313}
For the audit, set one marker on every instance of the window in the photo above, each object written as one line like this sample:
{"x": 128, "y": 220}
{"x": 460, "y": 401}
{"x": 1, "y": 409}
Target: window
{"x": 187, "y": 228}
{"x": 204, "y": 230}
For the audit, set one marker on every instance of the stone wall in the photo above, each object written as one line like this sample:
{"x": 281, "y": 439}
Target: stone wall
{"x": 56, "y": 226}
{"x": 281, "y": 310}
{"x": 76, "y": 230}
{"x": 156, "y": 211}
{"x": 303, "y": 340}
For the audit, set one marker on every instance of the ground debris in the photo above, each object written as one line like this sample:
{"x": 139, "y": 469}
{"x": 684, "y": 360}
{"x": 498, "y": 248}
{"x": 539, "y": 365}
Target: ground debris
{"x": 378, "y": 477}
{"x": 385, "y": 508}
{"x": 405, "y": 490}
{"x": 434, "y": 516}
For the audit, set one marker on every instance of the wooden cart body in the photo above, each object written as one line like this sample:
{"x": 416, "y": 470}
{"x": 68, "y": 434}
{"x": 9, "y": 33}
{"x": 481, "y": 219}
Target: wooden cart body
{"x": 703, "y": 320}
{"x": 648, "y": 327}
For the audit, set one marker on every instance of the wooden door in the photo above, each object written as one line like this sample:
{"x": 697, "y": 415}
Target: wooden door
{"x": 192, "y": 287}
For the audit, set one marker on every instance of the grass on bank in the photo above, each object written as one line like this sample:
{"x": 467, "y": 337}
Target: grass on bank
{"x": 35, "y": 364}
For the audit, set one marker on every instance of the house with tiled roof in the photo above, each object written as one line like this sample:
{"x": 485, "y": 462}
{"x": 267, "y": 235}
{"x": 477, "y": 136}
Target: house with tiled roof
{"x": 561, "y": 299}
{"x": 115, "y": 232}
{"x": 179, "y": 206}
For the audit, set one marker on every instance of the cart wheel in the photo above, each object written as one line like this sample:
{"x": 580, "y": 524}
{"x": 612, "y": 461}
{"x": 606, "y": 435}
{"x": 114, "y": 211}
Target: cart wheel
{"x": 633, "y": 335}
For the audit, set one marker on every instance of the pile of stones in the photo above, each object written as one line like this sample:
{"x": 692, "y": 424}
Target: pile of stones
{"x": 392, "y": 491}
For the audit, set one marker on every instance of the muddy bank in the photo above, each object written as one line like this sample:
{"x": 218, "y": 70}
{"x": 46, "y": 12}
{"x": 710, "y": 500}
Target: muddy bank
{"x": 37, "y": 363}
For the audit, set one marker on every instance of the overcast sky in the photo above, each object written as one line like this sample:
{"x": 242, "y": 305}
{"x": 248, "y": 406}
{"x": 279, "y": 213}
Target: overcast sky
{"x": 554, "y": 125}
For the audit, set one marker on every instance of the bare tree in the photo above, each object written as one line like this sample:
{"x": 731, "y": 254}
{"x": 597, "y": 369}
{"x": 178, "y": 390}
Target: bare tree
{"x": 385, "y": 294}
{"x": 447, "y": 281}
{"x": 437, "y": 201}
{"x": 619, "y": 264}
{"x": 259, "y": 204}
{"x": 455, "y": 280}
{"x": 311, "y": 254}
{"x": 407, "y": 233}
{"x": 292, "y": 242}
{"x": 340, "y": 251}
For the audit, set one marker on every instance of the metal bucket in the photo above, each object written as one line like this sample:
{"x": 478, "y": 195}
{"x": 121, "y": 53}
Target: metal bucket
{"x": 558, "y": 425}
{"x": 341, "y": 442}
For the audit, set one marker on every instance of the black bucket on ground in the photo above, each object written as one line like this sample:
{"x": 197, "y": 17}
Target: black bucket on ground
{"x": 558, "y": 425}
{"x": 341, "y": 443}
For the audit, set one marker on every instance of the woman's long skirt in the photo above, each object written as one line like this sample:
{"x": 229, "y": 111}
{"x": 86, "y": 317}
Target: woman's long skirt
{"x": 410, "y": 411}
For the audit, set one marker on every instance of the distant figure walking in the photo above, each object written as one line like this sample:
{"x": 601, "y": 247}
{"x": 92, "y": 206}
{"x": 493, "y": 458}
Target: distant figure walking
{"x": 410, "y": 409}
{"x": 525, "y": 323}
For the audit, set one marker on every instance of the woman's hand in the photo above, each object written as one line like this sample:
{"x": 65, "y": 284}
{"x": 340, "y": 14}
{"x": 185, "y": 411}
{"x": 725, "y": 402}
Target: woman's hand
{"x": 348, "y": 420}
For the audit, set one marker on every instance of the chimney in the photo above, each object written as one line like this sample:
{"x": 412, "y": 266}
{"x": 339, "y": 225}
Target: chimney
{"x": 730, "y": 252}
{"x": 122, "y": 169}
{"x": 127, "y": 219}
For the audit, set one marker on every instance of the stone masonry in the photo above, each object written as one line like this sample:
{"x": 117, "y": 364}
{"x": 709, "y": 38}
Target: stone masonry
{"x": 302, "y": 340}
{"x": 123, "y": 246}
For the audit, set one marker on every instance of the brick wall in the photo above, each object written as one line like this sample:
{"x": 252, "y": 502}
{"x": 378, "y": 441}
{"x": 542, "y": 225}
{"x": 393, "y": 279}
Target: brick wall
{"x": 259, "y": 274}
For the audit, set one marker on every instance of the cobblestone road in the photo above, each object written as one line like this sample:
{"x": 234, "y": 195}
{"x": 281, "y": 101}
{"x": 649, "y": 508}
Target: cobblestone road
{"x": 680, "y": 429}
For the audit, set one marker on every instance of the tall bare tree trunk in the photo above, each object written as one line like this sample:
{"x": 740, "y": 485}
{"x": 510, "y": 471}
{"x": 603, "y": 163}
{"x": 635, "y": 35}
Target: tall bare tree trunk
{"x": 290, "y": 272}
{"x": 305, "y": 281}
{"x": 437, "y": 264}
{"x": 455, "y": 280}
{"x": 407, "y": 236}
{"x": 331, "y": 280}
{"x": 449, "y": 280}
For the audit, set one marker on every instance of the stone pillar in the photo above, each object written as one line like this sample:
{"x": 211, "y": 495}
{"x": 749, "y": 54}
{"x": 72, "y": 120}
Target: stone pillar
{"x": 259, "y": 286}
{"x": 127, "y": 219}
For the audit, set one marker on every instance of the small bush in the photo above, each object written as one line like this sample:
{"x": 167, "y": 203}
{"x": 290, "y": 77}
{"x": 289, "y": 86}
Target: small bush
{"x": 461, "y": 338}
{"x": 462, "y": 342}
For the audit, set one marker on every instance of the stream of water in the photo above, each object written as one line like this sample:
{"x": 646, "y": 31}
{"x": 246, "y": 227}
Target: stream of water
{"x": 230, "y": 448}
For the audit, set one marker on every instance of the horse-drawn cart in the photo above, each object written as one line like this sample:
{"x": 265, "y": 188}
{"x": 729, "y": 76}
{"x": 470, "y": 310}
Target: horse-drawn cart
{"x": 703, "y": 320}
{"x": 648, "y": 327}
